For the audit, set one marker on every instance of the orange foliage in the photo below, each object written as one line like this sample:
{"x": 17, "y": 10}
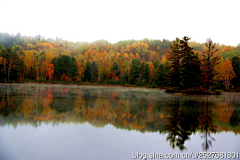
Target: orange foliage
{"x": 42, "y": 118}
{"x": 226, "y": 73}
{"x": 152, "y": 70}
{"x": 125, "y": 56}
{"x": 65, "y": 78}
{"x": 50, "y": 72}
{"x": 81, "y": 68}
{"x": 1, "y": 59}
{"x": 44, "y": 45}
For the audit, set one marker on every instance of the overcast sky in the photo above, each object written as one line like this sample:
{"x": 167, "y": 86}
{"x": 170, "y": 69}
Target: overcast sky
{"x": 115, "y": 20}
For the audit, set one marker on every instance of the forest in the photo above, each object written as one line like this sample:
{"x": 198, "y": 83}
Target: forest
{"x": 178, "y": 65}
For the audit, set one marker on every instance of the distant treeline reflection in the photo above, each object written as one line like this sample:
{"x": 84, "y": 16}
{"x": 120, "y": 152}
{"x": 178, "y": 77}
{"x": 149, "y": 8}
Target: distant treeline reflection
{"x": 143, "y": 110}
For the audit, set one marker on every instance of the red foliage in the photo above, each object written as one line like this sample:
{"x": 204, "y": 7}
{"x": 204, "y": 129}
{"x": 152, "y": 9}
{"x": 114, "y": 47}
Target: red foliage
{"x": 50, "y": 72}
{"x": 65, "y": 78}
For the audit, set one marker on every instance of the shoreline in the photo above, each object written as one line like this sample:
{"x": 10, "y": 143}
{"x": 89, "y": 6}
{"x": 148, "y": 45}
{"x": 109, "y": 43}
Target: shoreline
{"x": 105, "y": 85}
{"x": 82, "y": 84}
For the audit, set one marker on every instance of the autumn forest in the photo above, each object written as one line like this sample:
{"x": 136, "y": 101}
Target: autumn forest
{"x": 179, "y": 65}
{"x": 71, "y": 98}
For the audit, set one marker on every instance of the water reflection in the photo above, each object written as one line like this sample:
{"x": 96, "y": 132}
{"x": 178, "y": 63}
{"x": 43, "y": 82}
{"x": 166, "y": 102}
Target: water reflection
{"x": 181, "y": 122}
{"x": 143, "y": 110}
{"x": 206, "y": 125}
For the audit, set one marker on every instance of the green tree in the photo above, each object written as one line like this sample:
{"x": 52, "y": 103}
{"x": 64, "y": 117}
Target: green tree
{"x": 134, "y": 71}
{"x": 87, "y": 72}
{"x": 64, "y": 64}
{"x": 236, "y": 69}
{"x": 160, "y": 75}
{"x": 174, "y": 58}
{"x": 146, "y": 75}
{"x": 155, "y": 63}
{"x": 94, "y": 72}
{"x": 190, "y": 65}
{"x": 124, "y": 77}
{"x": 115, "y": 70}
{"x": 11, "y": 64}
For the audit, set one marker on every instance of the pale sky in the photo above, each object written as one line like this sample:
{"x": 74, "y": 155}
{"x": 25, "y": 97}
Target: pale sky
{"x": 115, "y": 20}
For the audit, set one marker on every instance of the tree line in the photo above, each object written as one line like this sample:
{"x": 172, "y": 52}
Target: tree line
{"x": 180, "y": 64}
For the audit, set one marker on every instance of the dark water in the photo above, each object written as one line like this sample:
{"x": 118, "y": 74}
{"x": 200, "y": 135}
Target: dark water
{"x": 86, "y": 122}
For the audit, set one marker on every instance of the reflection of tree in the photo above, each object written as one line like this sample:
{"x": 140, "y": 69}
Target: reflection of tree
{"x": 207, "y": 126}
{"x": 62, "y": 103}
{"x": 181, "y": 123}
{"x": 172, "y": 127}
{"x": 139, "y": 110}
{"x": 235, "y": 120}
{"x": 188, "y": 122}
{"x": 8, "y": 105}
{"x": 90, "y": 97}
{"x": 235, "y": 117}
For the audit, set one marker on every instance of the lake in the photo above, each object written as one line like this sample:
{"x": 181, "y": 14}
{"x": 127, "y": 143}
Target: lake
{"x": 41, "y": 121}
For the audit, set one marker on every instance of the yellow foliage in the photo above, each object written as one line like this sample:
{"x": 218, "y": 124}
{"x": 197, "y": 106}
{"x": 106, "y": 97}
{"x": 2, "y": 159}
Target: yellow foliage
{"x": 29, "y": 59}
{"x": 161, "y": 115}
{"x": 226, "y": 73}
{"x": 137, "y": 55}
{"x": 125, "y": 56}
{"x": 164, "y": 60}
{"x": 44, "y": 45}
{"x": 26, "y": 106}
{"x": 123, "y": 115}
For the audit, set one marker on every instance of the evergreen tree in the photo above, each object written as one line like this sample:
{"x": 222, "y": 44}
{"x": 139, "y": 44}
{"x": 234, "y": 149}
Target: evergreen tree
{"x": 155, "y": 63}
{"x": 94, "y": 72}
{"x": 174, "y": 58}
{"x": 208, "y": 63}
{"x": 134, "y": 71}
{"x": 236, "y": 69}
{"x": 124, "y": 78}
{"x": 190, "y": 65}
{"x": 115, "y": 71}
{"x": 72, "y": 67}
{"x": 160, "y": 75}
{"x": 63, "y": 64}
{"x": 146, "y": 76}
{"x": 139, "y": 80}
{"x": 87, "y": 72}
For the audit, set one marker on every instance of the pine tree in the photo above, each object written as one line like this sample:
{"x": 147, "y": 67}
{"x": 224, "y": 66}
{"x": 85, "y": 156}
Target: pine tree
{"x": 160, "y": 78}
{"x": 146, "y": 75}
{"x": 87, "y": 72}
{"x": 190, "y": 65}
{"x": 94, "y": 72}
{"x": 115, "y": 71}
{"x": 236, "y": 69}
{"x": 174, "y": 58}
{"x": 208, "y": 63}
{"x": 134, "y": 71}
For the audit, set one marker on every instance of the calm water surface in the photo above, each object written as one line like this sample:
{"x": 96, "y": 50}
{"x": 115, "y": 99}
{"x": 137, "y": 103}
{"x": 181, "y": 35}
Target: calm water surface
{"x": 87, "y": 122}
